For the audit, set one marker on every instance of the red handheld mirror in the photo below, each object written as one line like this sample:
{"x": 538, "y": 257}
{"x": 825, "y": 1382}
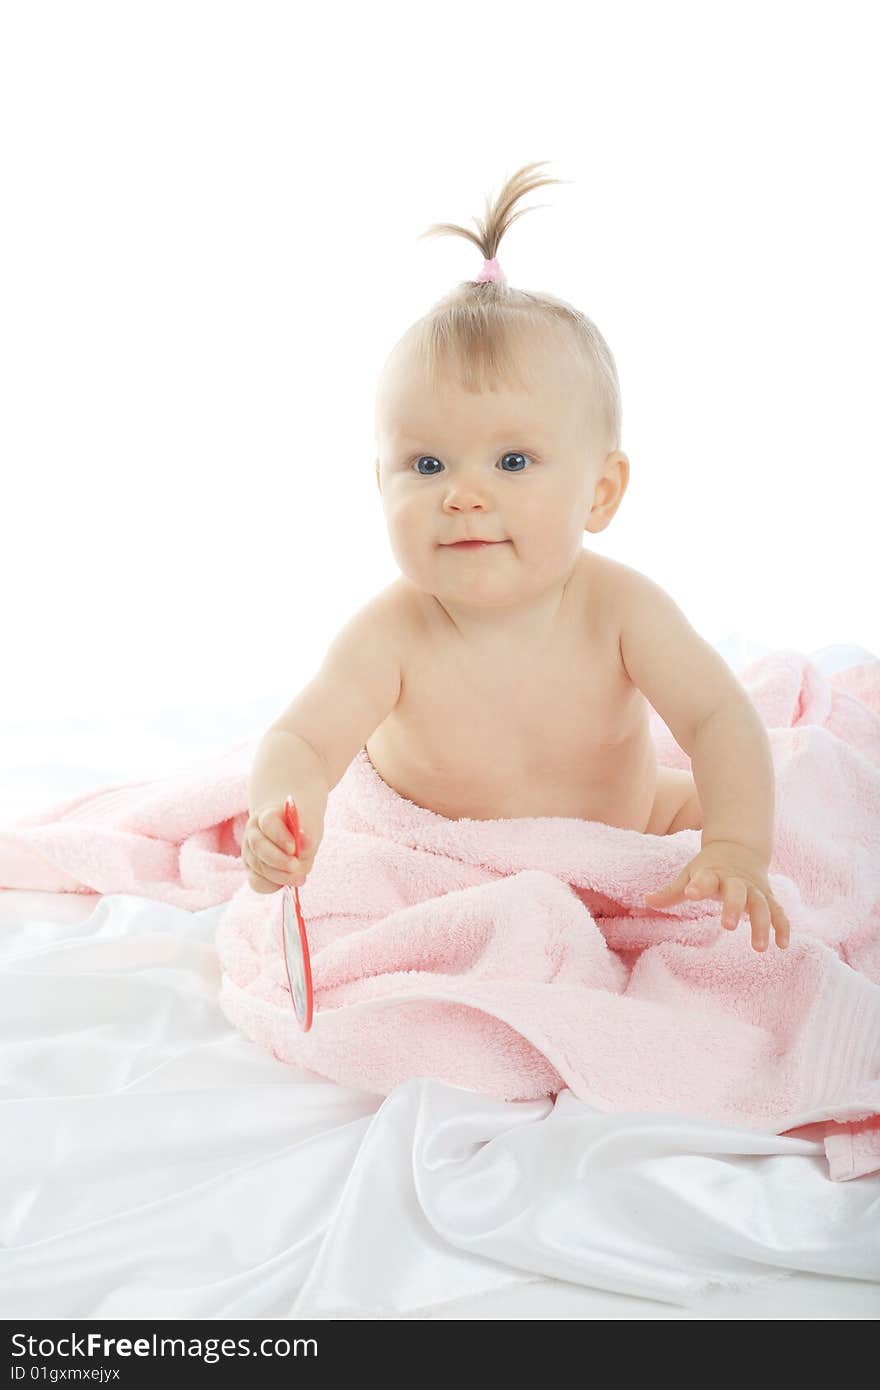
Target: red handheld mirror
{"x": 293, "y": 936}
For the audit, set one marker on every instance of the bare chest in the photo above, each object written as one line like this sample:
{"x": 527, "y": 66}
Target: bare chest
{"x": 556, "y": 729}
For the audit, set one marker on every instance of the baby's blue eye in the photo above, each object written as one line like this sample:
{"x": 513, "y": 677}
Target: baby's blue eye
{"x": 428, "y": 458}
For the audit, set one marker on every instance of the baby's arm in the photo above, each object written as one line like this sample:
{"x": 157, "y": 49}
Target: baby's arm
{"x": 708, "y": 712}
{"x": 332, "y": 717}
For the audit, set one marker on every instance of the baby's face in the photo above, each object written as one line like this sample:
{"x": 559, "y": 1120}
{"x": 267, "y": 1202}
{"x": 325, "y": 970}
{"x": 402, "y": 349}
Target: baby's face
{"x": 513, "y": 466}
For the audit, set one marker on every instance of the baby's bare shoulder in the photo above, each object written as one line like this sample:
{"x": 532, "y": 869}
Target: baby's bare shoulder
{"x": 400, "y": 605}
{"x": 391, "y": 621}
{"x": 407, "y": 607}
{"x": 614, "y": 593}
{"x": 615, "y": 575}
{"x": 610, "y": 586}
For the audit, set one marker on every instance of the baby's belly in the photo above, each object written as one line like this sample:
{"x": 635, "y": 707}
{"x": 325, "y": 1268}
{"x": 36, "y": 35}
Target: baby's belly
{"x": 614, "y": 786}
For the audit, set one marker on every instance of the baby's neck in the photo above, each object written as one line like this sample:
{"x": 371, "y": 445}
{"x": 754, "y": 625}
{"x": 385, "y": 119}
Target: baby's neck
{"x": 524, "y": 623}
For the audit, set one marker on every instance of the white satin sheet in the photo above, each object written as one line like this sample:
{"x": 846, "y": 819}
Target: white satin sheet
{"x": 155, "y": 1164}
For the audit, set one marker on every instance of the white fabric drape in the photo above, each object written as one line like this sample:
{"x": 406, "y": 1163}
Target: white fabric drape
{"x": 155, "y": 1164}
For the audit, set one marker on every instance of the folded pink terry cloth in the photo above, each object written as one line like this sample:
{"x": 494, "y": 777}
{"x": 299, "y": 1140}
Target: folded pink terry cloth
{"x": 516, "y": 958}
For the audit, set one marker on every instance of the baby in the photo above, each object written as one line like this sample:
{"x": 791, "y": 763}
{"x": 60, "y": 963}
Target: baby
{"x": 508, "y": 671}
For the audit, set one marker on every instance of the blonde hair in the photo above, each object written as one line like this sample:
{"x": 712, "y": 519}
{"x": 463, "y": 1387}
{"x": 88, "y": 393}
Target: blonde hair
{"x": 475, "y": 326}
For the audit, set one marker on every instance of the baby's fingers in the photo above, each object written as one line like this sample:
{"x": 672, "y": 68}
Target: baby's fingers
{"x": 780, "y": 923}
{"x": 670, "y": 892}
{"x": 703, "y": 884}
{"x": 271, "y": 825}
{"x": 293, "y": 873}
{"x": 267, "y": 855}
{"x": 735, "y": 898}
{"x": 264, "y": 857}
{"x": 760, "y": 915}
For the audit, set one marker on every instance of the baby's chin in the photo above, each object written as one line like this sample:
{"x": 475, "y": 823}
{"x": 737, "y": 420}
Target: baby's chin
{"x": 494, "y": 585}
{"x": 492, "y": 575}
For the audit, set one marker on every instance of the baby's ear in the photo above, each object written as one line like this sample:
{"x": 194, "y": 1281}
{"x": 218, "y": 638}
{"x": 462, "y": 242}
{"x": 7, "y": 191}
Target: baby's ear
{"x": 610, "y": 487}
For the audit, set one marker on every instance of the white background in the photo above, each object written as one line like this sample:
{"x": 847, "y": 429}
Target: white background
{"x": 210, "y": 243}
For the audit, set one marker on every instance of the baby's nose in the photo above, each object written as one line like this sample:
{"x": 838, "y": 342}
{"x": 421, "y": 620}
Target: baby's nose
{"x": 463, "y": 496}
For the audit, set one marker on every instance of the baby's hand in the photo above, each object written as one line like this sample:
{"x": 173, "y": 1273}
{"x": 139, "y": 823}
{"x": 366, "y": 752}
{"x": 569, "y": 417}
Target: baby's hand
{"x": 736, "y": 874}
{"x": 268, "y": 850}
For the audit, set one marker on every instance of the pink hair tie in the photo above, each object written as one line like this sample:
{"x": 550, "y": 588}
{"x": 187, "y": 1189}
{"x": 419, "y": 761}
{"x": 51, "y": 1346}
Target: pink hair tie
{"x": 491, "y": 271}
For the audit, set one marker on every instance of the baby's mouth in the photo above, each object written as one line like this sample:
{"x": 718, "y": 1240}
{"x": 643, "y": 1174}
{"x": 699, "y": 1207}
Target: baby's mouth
{"x": 468, "y": 545}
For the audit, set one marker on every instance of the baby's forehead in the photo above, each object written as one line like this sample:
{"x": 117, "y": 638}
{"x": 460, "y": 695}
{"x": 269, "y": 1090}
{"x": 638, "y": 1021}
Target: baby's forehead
{"x": 546, "y": 396}
{"x": 536, "y": 362}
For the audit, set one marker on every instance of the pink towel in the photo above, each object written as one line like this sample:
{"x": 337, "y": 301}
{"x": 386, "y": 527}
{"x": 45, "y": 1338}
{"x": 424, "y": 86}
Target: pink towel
{"x": 516, "y": 958}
